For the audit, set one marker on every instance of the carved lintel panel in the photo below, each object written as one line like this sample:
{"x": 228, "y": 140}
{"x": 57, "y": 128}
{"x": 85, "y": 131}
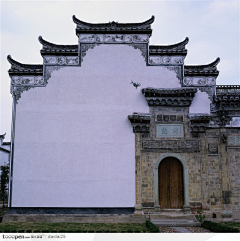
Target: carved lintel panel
{"x": 171, "y": 145}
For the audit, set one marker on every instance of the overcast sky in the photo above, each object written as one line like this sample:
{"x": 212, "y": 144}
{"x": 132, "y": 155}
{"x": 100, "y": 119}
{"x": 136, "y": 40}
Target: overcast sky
{"x": 212, "y": 28}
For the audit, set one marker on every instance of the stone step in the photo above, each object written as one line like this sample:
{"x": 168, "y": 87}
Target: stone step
{"x": 176, "y": 223}
{"x": 72, "y": 218}
{"x": 171, "y": 215}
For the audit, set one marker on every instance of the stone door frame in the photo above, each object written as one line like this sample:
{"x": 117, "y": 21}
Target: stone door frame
{"x": 186, "y": 207}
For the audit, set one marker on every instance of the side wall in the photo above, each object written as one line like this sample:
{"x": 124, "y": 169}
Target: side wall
{"x": 74, "y": 146}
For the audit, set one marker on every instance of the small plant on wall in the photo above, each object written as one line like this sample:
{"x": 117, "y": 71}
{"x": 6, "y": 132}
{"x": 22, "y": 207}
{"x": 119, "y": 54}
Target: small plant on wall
{"x": 199, "y": 213}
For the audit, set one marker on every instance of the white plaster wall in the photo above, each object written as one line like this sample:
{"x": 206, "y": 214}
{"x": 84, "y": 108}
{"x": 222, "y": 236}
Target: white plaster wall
{"x": 200, "y": 104}
{"x": 74, "y": 146}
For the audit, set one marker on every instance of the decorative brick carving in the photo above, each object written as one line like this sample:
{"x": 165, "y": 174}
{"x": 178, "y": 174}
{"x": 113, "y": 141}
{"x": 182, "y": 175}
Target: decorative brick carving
{"x": 170, "y": 118}
{"x": 171, "y": 145}
{"x": 213, "y": 148}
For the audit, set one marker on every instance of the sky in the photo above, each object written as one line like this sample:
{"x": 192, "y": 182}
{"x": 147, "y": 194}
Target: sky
{"x": 211, "y": 26}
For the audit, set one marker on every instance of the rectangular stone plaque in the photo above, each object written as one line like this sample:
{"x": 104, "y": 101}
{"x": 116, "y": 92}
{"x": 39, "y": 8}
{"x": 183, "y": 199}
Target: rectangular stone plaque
{"x": 234, "y": 141}
{"x": 170, "y": 130}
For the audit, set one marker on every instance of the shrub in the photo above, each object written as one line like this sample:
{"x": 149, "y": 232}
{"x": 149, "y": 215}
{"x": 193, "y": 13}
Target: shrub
{"x": 152, "y": 228}
{"x": 199, "y": 213}
{"x": 218, "y": 228}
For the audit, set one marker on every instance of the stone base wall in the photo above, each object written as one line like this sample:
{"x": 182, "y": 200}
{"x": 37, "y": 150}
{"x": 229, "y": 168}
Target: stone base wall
{"x": 212, "y": 157}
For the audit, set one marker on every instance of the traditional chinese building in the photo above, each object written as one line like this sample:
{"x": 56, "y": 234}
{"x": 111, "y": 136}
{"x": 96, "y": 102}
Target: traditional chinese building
{"x": 116, "y": 125}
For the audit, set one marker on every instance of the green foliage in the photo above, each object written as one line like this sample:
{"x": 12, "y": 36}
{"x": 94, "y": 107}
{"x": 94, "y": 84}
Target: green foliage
{"x": 4, "y": 182}
{"x": 152, "y": 227}
{"x": 199, "y": 213}
{"x": 218, "y": 228}
{"x": 76, "y": 228}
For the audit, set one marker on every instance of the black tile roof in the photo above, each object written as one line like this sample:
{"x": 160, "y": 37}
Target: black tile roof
{"x": 56, "y": 49}
{"x": 208, "y": 69}
{"x": 114, "y": 27}
{"x": 19, "y": 68}
{"x": 178, "y": 48}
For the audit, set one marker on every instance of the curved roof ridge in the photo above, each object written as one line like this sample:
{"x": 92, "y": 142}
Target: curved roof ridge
{"x": 210, "y": 66}
{"x": 177, "y": 46}
{"x": 47, "y": 44}
{"x": 18, "y": 65}
{"x": 112, "y": 24}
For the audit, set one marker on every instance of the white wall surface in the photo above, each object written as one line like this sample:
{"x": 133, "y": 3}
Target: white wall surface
{"x": 74, "y": 146}
{"x": 200, "y": 104}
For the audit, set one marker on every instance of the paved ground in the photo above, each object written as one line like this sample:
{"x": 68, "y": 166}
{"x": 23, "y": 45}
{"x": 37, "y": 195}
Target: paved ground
{"x": 183, "y": 230}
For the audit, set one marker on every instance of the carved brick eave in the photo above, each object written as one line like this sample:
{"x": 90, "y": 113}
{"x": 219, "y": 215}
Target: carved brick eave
{"x": 203, "y": 70}
{"x": 140, "y": 122}
{"x": 199, "y": 118}
{"x": 24, "y": 69}
{"x": 179, "y": 97}
{"x": 169, "y": 92}
{"x": 199, "y": 123}
{"x": 228, "y": 89}
{"x": 174, "y": 49}
{"x": 57, "y": 49}
{"x": 114, "y": 27}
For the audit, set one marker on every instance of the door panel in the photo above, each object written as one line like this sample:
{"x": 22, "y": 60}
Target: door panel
{"x": 170, "y": 178}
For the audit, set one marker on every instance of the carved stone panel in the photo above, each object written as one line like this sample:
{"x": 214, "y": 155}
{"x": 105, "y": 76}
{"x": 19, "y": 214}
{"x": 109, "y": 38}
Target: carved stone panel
{"x": 171, "y": 145}
{"x": 213, "y": 148}
{"x": 233, "y": 140}
{"x": 226, "y": 197}
{"x": 170, "y": 130}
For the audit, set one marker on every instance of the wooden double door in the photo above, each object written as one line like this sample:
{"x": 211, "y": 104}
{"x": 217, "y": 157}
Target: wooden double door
{"x": 170, "y": 184}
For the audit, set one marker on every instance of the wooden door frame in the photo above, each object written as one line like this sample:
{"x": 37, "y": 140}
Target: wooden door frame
{"x": 186, "y": 206}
